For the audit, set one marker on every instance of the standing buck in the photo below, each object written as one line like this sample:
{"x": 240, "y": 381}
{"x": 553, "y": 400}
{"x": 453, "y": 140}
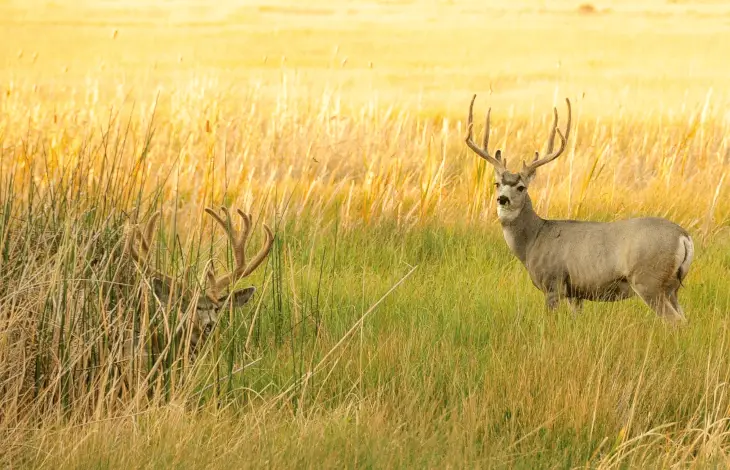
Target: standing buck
{"x": 580, "y": 260}
{"x": 217, "y": 295}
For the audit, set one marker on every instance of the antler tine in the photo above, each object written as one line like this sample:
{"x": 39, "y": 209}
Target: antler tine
{"x": 226, "y": 226}
{"x": 261, "y": 255}
{"x": 215, "y": 284}
{"x": 145, "y": 240}
{"x": 211, "y": 279}
{"x": 233, "y": 237}
{"x": 537, "y": 161}
{"x": 570, "y": 118}
{"x": 484, "y": 153}
{"x": 148, "y": 229}
{"x": 486, "y": 128}
{"x": 131, "y": 237}
{"x": 246, "y": 221}
{"x": 238, "y": 240}
{"x": 551, "y": 139}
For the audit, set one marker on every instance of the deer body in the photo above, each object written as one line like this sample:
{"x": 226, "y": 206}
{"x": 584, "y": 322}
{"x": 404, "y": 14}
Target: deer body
{"x": 583, "y": 260}
{"x": 599, "y": 260}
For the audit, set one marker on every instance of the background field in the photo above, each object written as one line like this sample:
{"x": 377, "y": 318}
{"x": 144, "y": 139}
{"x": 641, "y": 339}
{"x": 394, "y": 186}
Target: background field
{"x": 341, "y": 124}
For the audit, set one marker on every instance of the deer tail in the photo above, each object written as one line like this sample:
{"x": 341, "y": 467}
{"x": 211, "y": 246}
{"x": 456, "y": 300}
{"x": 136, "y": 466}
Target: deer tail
{"x": 685, "y": 254}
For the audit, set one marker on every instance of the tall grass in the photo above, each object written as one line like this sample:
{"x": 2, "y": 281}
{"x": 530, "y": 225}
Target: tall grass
{"x": 347, "y": 353}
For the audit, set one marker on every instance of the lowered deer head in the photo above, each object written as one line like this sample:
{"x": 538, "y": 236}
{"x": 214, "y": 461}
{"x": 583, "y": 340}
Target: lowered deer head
{"x": 581, "y": 260}
{"x": 218, "y": 294}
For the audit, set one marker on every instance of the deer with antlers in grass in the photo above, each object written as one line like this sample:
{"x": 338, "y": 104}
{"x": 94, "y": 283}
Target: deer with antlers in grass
{"x": 218, "y": 294}
{"x": 582, "y": 260}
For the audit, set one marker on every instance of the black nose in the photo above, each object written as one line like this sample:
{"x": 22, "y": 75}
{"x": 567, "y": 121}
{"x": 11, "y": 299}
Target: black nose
{"x": 502, "y": 200}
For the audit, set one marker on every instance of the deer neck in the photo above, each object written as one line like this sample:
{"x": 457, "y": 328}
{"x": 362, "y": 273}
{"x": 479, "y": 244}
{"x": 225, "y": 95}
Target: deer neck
{"x": 520, "y": 233}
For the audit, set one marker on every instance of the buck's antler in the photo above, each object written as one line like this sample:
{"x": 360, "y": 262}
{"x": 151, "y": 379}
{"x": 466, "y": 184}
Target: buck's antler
{"x": 537, "y": 162}
{"x": 496, "y": 161}
{"x": 238, "y": 240}
{"x": 145, "y": 241}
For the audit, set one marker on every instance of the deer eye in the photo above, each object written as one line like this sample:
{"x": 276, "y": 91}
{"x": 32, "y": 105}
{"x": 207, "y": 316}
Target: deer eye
{"x": 520, "y": 188}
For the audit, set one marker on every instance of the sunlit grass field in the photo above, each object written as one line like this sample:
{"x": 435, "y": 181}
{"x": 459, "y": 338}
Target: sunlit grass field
{"x": 391, "y": 327}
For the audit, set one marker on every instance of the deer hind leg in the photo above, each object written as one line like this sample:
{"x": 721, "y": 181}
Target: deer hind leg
{"x": 672, "y": 288}
{"x": 670, "y": 312}
{"x": 672, "y": 296}
{"x": 685, "y": 254}
{"x": 659, "y": 300}
{"x": 675, "y": 302}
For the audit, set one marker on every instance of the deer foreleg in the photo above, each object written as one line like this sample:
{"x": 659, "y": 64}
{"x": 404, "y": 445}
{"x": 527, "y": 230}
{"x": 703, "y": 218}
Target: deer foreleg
{"x": 552, "y": 299}
{"x": 555, "y": 291}
{"x": 576, "y": 305}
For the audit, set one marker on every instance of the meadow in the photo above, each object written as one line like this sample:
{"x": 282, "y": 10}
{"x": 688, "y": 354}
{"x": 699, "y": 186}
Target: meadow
{"x": 391, "y": 326}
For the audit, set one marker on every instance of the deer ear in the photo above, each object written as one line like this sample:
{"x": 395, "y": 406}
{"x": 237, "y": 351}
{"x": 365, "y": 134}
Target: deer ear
{"x": 239, "y": 297}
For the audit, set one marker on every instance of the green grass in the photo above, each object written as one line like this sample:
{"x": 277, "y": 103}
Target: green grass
{"x": 459, "y": 366}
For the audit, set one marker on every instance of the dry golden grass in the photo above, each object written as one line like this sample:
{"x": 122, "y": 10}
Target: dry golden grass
{"x": 341, "y": 124}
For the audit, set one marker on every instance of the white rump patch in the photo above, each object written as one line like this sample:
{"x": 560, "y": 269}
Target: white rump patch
{"x": 685, "y": 254}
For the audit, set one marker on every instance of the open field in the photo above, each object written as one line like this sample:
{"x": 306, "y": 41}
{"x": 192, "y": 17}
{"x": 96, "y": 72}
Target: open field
{"x": 392, "y": 327}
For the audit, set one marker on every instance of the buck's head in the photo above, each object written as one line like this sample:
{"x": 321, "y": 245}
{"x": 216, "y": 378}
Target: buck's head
{"x": 217, "y": 297}
{"x": 206, "y": 310}
{"x": 511, "y": 188}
